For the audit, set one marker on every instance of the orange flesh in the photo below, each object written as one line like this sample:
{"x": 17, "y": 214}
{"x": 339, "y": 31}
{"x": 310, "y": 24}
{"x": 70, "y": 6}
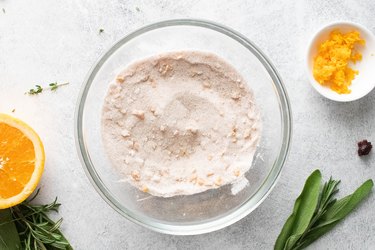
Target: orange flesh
{"x": 17, "y": 161}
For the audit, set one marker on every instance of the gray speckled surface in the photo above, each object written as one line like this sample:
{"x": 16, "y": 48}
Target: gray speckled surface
{"x": 43, "y": 41}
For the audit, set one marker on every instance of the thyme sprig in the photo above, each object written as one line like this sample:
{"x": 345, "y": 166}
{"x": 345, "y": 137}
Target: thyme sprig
{"x": 39, "y": 89}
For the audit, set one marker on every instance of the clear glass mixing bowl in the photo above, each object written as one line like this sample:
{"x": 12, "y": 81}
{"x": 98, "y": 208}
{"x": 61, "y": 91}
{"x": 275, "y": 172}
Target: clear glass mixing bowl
{"x": 214, "y": 209}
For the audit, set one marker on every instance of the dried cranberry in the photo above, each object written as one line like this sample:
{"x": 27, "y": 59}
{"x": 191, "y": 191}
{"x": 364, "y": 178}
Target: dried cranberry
{"x": 364, "y": 147}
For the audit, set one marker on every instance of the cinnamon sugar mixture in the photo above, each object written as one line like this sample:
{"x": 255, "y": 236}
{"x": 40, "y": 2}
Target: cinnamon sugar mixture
{"x": 180, "y": 123}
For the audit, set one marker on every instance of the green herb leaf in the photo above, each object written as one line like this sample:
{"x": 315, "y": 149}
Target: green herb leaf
{"x": 38, "y": 89}
{"x": 303, "y": 210}
{"x": 53, "y": 86}
{"x": 345, "y": 205}
{"x": 36, "y": 230}
{"x": 313, "y": 235}
{"x": 9, "y": 238}
{"x": 328, "y": 213}
{"x": 325, "y": 201}
{"x": 336, "y": 213}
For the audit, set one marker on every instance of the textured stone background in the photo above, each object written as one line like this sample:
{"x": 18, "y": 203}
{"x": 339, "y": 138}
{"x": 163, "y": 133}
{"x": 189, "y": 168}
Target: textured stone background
{"x": 43, "y": 41}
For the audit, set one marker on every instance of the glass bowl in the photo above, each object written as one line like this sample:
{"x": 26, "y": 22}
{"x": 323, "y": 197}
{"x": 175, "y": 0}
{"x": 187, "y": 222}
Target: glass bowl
{"x": 213, "y": 209}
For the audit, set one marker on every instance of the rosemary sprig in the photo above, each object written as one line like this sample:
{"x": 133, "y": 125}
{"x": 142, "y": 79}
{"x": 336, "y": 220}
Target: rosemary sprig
{"x": 39, "y": 89}
{"x": 316, "y": 211}
{"x": 36, "y": 231}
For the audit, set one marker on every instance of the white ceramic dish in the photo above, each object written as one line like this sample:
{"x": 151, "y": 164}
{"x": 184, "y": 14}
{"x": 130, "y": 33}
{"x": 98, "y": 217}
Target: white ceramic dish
{"x": 364, "y": 82}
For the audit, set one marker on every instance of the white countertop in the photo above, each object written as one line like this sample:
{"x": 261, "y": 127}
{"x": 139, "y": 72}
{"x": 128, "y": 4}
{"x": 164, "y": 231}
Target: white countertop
{"x": 43, "y": 41}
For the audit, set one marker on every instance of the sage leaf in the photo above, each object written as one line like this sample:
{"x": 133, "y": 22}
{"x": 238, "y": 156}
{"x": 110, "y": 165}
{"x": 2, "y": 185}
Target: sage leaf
{"x": 328, "y": 212}
{"x": 303, "y": 211}
{"x": 314, "y": 234}
{"x": 344, "y": 206}
{"x": 9, "y": 238}
{"x": 337, "y": 212}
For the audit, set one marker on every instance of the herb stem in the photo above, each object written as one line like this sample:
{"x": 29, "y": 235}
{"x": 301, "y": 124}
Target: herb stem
{"x": 35, "y": 229}
{"x": 39, "y": 89}
{"x": 60, "y": 84}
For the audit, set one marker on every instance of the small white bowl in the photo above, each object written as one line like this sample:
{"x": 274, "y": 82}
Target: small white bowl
{"x": 364, "y": 82}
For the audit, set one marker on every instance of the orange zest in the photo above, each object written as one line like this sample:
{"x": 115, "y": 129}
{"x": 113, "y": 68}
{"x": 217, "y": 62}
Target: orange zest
{"x": 331, "y": 65}
{"x": 21, "y": 161}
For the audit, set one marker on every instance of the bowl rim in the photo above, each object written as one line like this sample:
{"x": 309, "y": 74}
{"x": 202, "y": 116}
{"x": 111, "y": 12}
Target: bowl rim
{"x": 312, "y": 42}
{"x": 251, "y": 203}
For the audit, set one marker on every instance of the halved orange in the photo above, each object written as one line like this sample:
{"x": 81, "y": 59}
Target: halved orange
{"x": 21, "y": 161}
